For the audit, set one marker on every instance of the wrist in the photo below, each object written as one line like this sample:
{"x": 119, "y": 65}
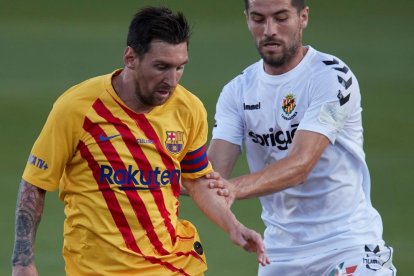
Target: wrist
{"x": 236, "y": 189}
{"x": 233, "y": 225}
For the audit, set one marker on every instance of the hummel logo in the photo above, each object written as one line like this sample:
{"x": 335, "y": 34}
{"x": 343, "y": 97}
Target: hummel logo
{"x": 330, "y": 62}
{"x": 104, "y": 138}
{"x": 345, "y": 83}
{"x": 251, "y": 106}
{"x": 343, "y": 100}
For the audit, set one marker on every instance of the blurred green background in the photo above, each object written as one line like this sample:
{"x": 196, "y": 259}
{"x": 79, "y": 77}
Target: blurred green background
{"x": 48, "y": 46}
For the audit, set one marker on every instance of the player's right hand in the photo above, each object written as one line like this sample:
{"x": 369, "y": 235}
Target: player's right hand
{"x": 249, "y": 240}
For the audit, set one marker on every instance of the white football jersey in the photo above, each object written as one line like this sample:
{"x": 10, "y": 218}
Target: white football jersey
{"x": 332, "y": 209}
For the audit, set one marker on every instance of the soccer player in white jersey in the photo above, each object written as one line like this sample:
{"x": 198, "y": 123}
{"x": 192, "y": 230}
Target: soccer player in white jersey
{"x": 298, "y": 113}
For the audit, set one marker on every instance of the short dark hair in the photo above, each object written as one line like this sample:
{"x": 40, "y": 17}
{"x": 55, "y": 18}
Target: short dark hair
{"x": 298, "y": 4}
{"x": 158, "y": 23}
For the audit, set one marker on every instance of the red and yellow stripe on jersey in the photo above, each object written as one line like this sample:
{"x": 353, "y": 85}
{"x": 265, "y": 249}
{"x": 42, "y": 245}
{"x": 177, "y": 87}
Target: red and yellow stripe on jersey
{"x": 118, "y": 173}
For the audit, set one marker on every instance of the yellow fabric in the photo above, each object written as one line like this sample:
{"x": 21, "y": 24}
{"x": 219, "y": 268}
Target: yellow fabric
{"x": 117, "y": 173}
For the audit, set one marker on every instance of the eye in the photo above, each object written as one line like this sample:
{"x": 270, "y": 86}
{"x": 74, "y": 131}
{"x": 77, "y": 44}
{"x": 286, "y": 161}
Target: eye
{"x": 257, "y": 18}
{"x": 281, "y": 18}
{"x": 161, "y": 67}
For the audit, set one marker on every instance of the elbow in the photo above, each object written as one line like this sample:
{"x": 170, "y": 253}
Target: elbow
{"x": 187, "y": 186}
{"x": 301, "y": 178}
{"x": 301, "y": 172}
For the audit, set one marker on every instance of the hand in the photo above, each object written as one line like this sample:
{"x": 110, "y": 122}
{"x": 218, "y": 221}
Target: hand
{"x": 224, "y": 188}
{"x": 249, "y": 240}
{"x": 20, "y": 270}
{"x": 187, "y": 185}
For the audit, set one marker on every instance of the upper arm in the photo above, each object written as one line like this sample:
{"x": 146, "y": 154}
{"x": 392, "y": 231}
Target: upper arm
{"x": 223, "y": 156}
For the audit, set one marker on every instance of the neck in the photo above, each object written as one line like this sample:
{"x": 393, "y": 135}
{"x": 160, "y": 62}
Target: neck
{"x": 124, "y": 87}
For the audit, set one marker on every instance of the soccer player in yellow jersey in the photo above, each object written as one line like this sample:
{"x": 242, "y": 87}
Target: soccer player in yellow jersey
{"x": 118, "y": 147}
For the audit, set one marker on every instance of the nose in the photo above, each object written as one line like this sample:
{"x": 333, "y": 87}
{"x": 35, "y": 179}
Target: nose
{"x": 270, "y": 27}
{"x": 172, "y": 77}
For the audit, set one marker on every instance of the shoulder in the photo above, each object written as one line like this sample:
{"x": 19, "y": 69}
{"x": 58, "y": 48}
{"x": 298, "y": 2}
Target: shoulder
{"x": 332, "y": 80}
{"x": 185, "y": 103}
{"x": 80, "y": 97}
{"x": 245, "y": 78}
{"x": 328, "y": 66}
{"x": 329, "y": 71}
{"x": 186, "y": 98}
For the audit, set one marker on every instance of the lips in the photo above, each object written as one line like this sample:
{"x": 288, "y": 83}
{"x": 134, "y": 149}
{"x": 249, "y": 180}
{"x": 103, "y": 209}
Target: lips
{"x": 270, "y": 43}
{"x": 164, "y": 90}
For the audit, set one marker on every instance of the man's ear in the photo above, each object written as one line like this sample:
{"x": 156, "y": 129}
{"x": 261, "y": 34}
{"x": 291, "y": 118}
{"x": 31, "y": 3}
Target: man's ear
{"x": 246, "y": 16}
{"x": 304, "y": 17}
{"x": 130, "y": 57}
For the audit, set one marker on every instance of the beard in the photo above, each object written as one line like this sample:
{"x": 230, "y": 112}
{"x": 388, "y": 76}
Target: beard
{"x": 278, "y": 60}
{"x": 153, "y": 99}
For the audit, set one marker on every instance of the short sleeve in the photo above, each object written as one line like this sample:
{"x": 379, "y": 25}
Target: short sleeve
{"x": 335, "y": 96}
{"x": 53, "y": 148}
{"x": 195, "y": 163}
{"x": 228, "y": 124}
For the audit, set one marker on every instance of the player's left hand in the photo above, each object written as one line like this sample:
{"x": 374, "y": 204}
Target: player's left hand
{"x": 249, "y": 240}
{"x": 214, "y": 178}
{"x": 223, "y": 186}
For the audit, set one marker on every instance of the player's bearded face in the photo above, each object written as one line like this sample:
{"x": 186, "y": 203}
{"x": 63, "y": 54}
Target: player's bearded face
{"x": 287, "y": 50}
{"x": 277, "y": 29}
{"x": 159, "y": 71}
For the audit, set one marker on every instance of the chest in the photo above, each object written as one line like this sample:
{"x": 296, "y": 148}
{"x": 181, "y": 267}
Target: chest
{"x": 140, "y": 141}
{"x": 271, "y": 113}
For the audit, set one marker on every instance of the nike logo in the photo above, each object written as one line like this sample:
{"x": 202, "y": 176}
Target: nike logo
{"x": 104, "y": 138}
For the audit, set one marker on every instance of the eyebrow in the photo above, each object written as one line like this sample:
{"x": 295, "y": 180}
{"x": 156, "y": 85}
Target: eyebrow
{"x": 159, "y": 61}
{"x": 276, "y": 13}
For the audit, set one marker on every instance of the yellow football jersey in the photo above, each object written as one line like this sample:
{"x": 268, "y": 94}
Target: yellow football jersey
{"x": 118, "y": 173}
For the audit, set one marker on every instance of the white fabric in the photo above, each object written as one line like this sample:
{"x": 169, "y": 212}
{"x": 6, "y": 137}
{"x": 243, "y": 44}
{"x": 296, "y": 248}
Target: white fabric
{"x": 332, "y": 209}
{"x": 362, "y": 260}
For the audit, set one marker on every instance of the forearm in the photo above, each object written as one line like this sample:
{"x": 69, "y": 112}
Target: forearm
{"x": 29, "y": 210}
{"x": 213, "y": 206}
{"x": 274, "y": 178}
{"x": 306, "y": 150}
{"x": 217, "y": 210}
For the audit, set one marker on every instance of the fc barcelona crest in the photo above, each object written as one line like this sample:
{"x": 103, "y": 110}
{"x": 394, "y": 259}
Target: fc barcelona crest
{"x": 174, "y": 141}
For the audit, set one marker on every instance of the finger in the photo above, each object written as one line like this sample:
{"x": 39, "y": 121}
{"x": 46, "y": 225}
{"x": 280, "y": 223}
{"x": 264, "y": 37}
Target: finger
{"x": 213, "y": 175}
{"x": 260, "y": 249}
{"x": 215, "y": 185}
{"x": 263, "y": 260}
{"x": 252, "y": 246}
{"x": 249, "y": 242}
{"x": 261, "y": 254}
{"x": 223, "y": 192}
